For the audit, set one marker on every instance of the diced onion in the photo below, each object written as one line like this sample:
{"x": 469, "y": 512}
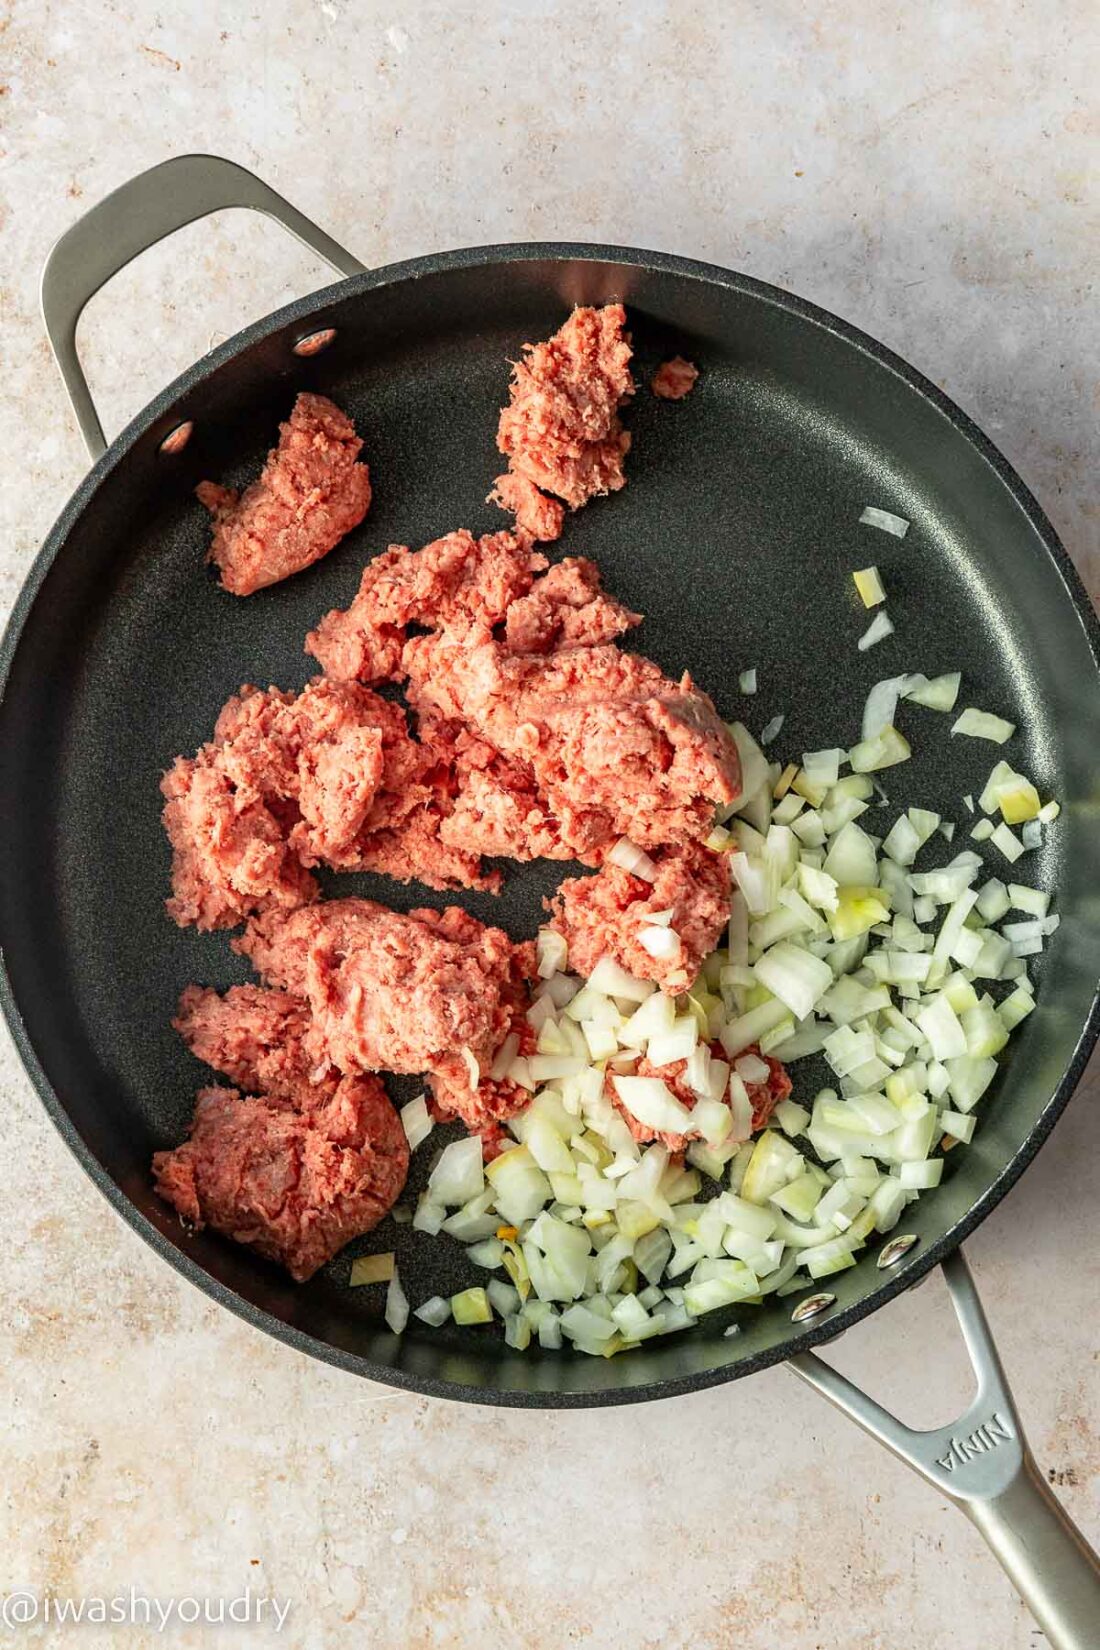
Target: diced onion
{"x": 938, "y": 694}
{"x": 771, "y": 730}
{"x": 883, "y": 751}
{"x": 551, "y": 950}
{"x": 870, "y": 586}
{"x": 881, "y": 706}
{"x": 661, "y": 943}
{"x": 469, "y": 1059}
{"x": 885, "y": 519}
{"x": 879, "y": 628}
{"x": 629, "y": 857}
{"x": 371, "y": 1269}
{"x": 980, "y": 724}
{"x": 397, "y": 1305}
{"x": 1007, "y": 841}
{"x": 653, "y": 1103}
{"x": 794, "y": 976}
{"x": 459, "y": 1175}
{"x": 435, "y": 1311}
{"x": 416, "y": 1120}
{"x": 747, "y": 681}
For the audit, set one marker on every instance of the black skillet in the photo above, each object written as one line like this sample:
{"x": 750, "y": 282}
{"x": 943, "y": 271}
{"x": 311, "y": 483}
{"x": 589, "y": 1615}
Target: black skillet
{"x": 736, "y": 536}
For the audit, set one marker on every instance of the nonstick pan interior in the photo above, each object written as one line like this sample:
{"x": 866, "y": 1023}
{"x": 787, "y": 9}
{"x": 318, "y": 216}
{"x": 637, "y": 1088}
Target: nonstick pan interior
{"x": 736, "y": 536}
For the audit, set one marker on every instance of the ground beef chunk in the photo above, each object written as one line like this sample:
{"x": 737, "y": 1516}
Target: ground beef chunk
{"x": 293, "y": 1185}
{"x": 561, "y": 429}
{"x": 230, "y": 855}
{"x": 566, "y": 608}
{"x": 496, "y": 807}
{"x": 453, "y": 580}
{"x": 494, "y": 1099}
{"x": 764, "y": 1096}
{"x": 258, "y": 1039}
{"x": 310, "y": 493}
{"x": 535, "y": 514}
{"x": 674, "y": 379}
{"x": 388, "y": 991}
{"x": 615, "y": 747}
{"x": 603, "y": 915}
{"x": 329, "y": 776}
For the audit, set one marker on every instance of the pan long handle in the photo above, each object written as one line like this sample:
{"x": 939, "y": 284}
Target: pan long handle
{"x": 129, "y": 222}
{"x": 982, "y": 1463}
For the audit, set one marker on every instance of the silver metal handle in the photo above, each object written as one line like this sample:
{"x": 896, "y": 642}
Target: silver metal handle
{"x": 982, "y": 1463}
{"x": 130, "y": 221}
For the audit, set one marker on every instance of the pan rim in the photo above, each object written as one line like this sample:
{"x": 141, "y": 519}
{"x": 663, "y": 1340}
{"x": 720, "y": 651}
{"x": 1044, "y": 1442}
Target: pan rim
{"x": 162, "y": 409}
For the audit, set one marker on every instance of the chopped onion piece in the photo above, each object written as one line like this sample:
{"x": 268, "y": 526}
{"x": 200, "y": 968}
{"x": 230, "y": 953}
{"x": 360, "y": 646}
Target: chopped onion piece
{"x": 980, "y": 724}
{"x": 885, "y": 520}
{"x": 471, "y": 1306}
{"x": 982, "y": 831}
{"x": 822, "y": 767}
{"x": 794, "y": 976}
{"x": 938, "y": 694}
{"x": 1049, "y": 812}
{"x": 885, "y": 750}
{"x": 1018, "y": 801}
{"x": 397, "y": 1305}
{"x": 629, "y": 857}
{"x": 921, "y": 1176}
{"x": 882, "y": 704}
{"x": 613, "y": 981}
{"x": 771, "y": 730}
{"x": 459, "y": 1175}
{"x": 416, "y": 1120}
{"x": 941, "y": 1026}
{"x": 653, "y": 1103}
{"x": 1031, "y": 834}
{"x": 552, "y": 951}
{"x": 1008, "y": 842}
{"x": 371, "y": 1269}
{"x": 754, "y": 764}
{"x": 435, "y": 1311}
{"x": 1032, "y": 900}
{"x": 879, "y": 628}
{"x": 747, "y": 681}
{"x": 870, "y": 586}
{"x": 661, "y": 943}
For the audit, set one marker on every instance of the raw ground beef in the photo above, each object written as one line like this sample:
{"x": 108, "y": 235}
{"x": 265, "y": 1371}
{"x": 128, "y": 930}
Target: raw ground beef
{"x": 536, "y": 514}
{"x": 566, "y": 607}
{"x": 390, "y": 992}
{"x": 258, "y": 1039}
{"x": 294, "y": 1185}
{"x": 614, "y": 746}
{"x": 602, "y": 915}
{"x": 674, "y": 379}
{"x": 495, "y": 1099}
{"x": 561, "y": 430}
{"x": 763, "y": 1096}
{"x": 230, "y": 855}
{"x": 311, "y": 492}
{"x": 329, "y": 776}
{"x": 452, "y": 580}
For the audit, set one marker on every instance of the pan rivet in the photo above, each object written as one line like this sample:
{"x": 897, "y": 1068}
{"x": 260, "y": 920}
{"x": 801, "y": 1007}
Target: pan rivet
{"x": 811, "y": 1306}
{"x": 896, "y": 1249}
{"x": 176, "y": 440}
{"x": 314, "y": 342}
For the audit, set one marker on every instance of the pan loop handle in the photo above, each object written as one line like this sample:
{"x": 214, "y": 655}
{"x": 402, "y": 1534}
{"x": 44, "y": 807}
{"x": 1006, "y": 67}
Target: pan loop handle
{"x": 982, "y": 1463}
{"x": 131, "y": 220}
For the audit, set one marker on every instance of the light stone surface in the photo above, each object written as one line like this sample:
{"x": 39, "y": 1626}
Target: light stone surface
{"x": 930, "y": 173}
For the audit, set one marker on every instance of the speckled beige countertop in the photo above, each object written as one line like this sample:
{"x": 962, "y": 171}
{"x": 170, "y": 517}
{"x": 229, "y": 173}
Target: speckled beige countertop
{"x": 929, "y": 173}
